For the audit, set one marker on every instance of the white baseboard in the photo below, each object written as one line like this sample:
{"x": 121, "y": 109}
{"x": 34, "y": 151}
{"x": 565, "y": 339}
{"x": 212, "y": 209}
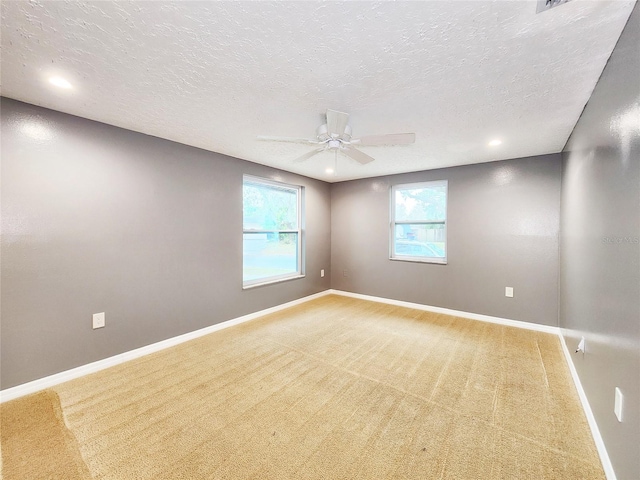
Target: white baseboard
{"x": 51, "y": 380}
{"x": 455, "y": 313}
{"x": 595, "y": 431}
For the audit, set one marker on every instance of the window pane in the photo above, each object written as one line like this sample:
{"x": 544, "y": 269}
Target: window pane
{"x": 269, "y": 255}
{"x": 269, "y": 207}
{"x": 421, "y": 204}
{"x": 420, "y": 240}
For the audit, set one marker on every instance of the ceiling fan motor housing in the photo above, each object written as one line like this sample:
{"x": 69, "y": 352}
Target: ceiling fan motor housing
{"x": 322, "y": 133}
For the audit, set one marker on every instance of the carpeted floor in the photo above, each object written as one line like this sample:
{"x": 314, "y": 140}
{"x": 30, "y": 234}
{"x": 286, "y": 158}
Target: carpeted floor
{"x": 336, "y": 388}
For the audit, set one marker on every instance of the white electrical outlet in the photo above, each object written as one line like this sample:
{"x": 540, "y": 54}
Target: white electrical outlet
{"x": 508, "y": 292}
{"x": 617, "y": 406}
{"x": 322, "y": 272}
{"x": 98, "y": 320}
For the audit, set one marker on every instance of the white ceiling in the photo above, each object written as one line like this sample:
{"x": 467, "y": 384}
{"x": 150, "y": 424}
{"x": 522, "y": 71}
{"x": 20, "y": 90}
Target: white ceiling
{"x": 217, "y": 74}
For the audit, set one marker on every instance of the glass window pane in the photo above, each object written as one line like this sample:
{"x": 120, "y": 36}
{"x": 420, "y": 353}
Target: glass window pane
{"x": 420, "y": 240}
{"x": 269, "y": 207}
{"x": 269, "y": 255}
{"x": 421, "y": 204}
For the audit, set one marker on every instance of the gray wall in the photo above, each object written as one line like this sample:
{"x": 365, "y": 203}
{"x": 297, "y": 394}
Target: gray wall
{"x": 97, "y": 218}
{"x": 502, "y": 231}
{"x": 600, "y": 254}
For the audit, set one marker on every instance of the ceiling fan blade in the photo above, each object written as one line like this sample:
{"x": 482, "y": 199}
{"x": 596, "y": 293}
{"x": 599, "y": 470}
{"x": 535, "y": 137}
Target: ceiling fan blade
{"x": 390, "y": 139}
{"x": 310, "y": 154}
{"x": 357, "y": 155}
{"x": 336, "y": 122}
{"x": 286, "y": 139}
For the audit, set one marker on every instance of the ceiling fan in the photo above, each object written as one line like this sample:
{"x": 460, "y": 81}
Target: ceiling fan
{"x": 336, "y": 135}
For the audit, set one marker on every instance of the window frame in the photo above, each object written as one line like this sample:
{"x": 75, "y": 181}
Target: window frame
{"x": 299, "y": 273}
{"x": 393, "y": 222}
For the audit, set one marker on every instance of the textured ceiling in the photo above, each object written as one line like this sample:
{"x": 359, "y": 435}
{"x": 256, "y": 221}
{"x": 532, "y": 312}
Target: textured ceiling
{"x": 217, "y": 74}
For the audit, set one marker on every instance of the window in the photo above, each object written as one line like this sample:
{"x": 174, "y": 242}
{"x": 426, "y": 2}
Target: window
{"x": 272, "y": 235}
{"x": 419, "y": 222}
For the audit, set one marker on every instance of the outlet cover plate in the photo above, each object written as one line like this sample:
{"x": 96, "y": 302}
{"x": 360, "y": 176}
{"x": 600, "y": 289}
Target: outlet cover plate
{"x": 98, "y": 320}
{"x": 617, "y": 407}
{"x": 508, "y": 292}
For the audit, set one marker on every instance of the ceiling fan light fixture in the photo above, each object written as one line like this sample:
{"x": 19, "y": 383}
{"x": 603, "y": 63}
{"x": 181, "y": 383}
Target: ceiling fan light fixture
{"x": 495, "y": 142}
{"x": 322, "y": 133}
{"x": 346, "y": 136}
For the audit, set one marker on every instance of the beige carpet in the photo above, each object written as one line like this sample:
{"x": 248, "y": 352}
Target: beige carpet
{"x": 36, "y": 444}
{"x": 336, "y": 388}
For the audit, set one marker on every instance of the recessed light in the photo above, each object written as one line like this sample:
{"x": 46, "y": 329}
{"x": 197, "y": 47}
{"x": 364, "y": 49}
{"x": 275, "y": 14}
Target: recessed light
{"x": 495, "y": 143}
{"x": 60, "y": 82}
{"x": 329, "y": 170}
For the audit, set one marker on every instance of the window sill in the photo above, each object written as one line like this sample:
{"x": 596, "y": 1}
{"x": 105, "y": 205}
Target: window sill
{"x": 271, "y": 282}
{"x": 420, "y": 260}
